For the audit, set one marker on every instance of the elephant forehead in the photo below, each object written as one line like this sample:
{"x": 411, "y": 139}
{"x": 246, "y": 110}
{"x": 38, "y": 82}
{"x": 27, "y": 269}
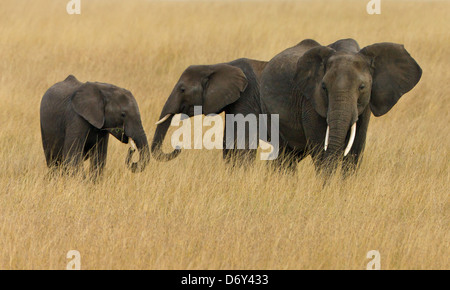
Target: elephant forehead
{"x": 347, "y": 71}
{"x": 123, "y": 101}
{"x": 349, "y": 61}
{"x": 195, "y": 72}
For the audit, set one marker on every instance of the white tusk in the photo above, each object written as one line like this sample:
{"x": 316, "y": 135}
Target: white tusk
{"x": 163, "y": 119}
{"x": 350, "y": 141}
{"x": 133, "y": 145}
{"x": 327, "y": 135}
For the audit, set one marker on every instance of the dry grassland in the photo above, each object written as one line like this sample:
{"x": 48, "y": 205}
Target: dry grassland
{"x": 194, "y": 212}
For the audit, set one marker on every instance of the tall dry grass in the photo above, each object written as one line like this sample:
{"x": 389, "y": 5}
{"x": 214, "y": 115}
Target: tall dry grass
{"x": 194, "y": 212}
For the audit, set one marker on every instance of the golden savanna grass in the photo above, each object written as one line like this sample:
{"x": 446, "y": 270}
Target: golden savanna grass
{"x": 195, "y": 212}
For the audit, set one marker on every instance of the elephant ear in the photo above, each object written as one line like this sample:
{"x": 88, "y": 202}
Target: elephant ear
{"x": 88, "y": 102}
{"x": 394, "y": 73}
{"x": 309, "y": 74}
{"x": 223, "y": 87}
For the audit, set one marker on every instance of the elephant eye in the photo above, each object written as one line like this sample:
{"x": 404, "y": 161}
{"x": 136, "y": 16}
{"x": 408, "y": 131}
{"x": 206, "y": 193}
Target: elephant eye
{"x": 361, "y": 87}
{"x": 324, "y": 87}
{"x": 182, "y": 89}
{"x": 123, "y": 114}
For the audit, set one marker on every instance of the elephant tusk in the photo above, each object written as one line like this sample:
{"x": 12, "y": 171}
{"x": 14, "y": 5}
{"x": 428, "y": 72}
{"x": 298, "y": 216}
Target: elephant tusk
{"x": 351, "y": 140}
{"x": 163, "y": 119}
{"x": 327, "y": 135}
{"x": 133, "y": 145}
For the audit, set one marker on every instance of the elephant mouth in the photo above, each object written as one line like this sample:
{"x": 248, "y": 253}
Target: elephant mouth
{"x": 115, "y": 131}
{"x": 119, "y": 133}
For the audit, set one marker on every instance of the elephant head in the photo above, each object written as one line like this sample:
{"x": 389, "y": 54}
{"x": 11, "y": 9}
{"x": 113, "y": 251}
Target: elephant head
{"x": 211, "y": 86}
{"x": 341, "y": 84}
{"x": 110, "y": 108}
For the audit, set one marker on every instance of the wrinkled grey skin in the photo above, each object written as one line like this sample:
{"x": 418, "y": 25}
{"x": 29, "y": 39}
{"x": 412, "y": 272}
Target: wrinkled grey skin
{"x": 310, "y": 86}
{"x": 231, "y": 87}
{"x": 77, "y": 118}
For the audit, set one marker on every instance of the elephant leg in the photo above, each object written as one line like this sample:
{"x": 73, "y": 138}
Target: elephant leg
{"x": 287, "y": 159}
{"x": 52, "y": 151}
{"x": 318, "y": 159}
{"x": 286, "y": 162}
{"x": 54, "y": 164}
{"x": 53, "y": 158}
{"x": 97, "y": 156}
{"x": 72, "y": 157}
{"x": 73, "y": 152}
{"x": 234, "y": 155}
{"x": 239, "y": 156}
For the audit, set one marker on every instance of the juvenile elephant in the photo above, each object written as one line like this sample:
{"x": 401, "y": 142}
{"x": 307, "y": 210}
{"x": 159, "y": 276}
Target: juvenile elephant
{"x": 231, "y": 87}
{"x": 324, "y": 96}
{"x": 77, "y": 118}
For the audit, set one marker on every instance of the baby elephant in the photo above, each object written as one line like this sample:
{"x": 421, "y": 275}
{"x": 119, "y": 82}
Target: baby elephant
{"x": 77, "y": 118}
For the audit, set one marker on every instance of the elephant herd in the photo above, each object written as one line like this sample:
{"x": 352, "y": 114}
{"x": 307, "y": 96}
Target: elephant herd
{"x": 323, "y": 97}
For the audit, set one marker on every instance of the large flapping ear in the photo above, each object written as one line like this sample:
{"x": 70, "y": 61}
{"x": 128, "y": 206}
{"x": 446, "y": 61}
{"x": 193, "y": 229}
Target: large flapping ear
{"x": 394, "y": 73}
{"x": 88, "y": 102}
{"x": 309, "y": 75}
{"x": 222, "y": 87}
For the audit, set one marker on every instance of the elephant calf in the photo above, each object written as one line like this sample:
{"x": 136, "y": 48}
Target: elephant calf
{"x": 77, "y": 118}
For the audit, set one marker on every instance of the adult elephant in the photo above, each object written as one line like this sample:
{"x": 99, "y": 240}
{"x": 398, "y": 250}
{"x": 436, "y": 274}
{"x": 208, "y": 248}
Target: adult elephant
{"x": 77, "y": 118}
{"x": 231, "y": 87}
{"x": 324, "y": 96}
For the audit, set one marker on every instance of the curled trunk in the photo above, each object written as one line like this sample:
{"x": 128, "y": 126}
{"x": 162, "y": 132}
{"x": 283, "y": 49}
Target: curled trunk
{"x": 142, "y": 146}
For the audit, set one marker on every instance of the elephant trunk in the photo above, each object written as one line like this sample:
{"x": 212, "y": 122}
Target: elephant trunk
{"x": 341, "y": 123}
{"x": 140, "y": 139}
{"x": 158, "y": 139}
